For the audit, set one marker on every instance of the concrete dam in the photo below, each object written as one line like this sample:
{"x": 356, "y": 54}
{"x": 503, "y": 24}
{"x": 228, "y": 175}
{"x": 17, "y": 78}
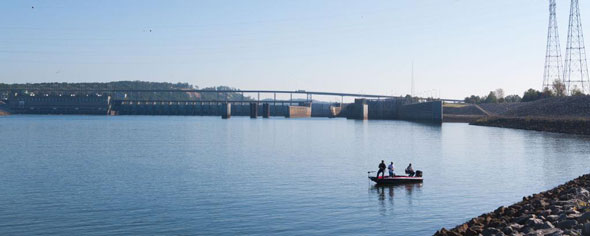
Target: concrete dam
{"x": 361, "y": 109}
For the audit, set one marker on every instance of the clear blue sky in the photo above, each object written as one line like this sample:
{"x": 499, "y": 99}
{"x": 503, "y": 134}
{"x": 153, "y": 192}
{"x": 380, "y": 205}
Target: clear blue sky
{"x": 459, "y": 47}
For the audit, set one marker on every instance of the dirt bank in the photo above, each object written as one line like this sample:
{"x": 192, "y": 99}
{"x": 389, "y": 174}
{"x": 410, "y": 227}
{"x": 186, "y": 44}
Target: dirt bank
{"x": 564, "y": 210}
{"x": 464, "y": 113}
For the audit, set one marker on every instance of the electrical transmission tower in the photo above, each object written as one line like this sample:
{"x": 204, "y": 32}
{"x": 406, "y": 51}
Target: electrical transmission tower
{"x": 553, "y": 54}
{"x": 575, "y": 71}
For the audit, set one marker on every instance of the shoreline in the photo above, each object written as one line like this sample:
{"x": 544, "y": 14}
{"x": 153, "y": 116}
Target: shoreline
{"x": 554, "y": 125}
{"x": 563, "y": 210}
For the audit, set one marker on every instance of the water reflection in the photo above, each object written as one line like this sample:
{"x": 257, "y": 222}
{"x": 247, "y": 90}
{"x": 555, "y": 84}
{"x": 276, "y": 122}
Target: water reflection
{"x": 388, "y": 191}
{"x": 387, "y": 195}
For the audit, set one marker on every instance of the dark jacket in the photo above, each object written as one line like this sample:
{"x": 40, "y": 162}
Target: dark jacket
{"x": 382, "y": 166}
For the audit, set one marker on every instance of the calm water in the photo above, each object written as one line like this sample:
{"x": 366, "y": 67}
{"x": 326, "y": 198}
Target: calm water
{"x": 98, "y": 175}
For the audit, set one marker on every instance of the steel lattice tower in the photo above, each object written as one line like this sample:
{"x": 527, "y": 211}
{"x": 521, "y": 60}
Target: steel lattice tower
{"x": 575, "y": 71}
{"x": 553, "y": 61}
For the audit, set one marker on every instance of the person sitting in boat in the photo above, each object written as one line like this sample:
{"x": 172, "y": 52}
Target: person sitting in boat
{"x": 390, "y": 168}
{"x": 410, "y": 170}
{"x": 381, "y": 169}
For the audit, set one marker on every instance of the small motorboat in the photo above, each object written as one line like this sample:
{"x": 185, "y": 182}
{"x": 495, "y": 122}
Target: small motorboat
{"x": 397, "y": 179}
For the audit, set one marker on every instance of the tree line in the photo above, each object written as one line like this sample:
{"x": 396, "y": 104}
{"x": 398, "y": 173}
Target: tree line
{"x": 557, "y": 89}
{"x": 71, "y": 88}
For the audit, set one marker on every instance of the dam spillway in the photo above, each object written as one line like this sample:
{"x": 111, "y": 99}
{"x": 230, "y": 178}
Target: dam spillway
{"x": 361, "y": 109}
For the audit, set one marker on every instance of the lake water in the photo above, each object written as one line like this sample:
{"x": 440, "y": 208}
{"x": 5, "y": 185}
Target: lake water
{"x": 129, "y": 175}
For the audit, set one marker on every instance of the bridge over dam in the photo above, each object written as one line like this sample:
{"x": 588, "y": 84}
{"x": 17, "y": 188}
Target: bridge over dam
{"x": 104, "y": 102}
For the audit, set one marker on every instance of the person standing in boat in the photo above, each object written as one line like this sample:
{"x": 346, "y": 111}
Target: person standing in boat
{"x": 410, "y": 170}
{"x": 381, "y": 169}
{"x": 390, "y": 168}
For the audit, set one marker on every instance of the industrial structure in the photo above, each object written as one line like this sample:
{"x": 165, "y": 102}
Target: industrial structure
{"x": 553, "y": 66}
{"x": 574, "y": 73}
{"x": 107, "y": 102}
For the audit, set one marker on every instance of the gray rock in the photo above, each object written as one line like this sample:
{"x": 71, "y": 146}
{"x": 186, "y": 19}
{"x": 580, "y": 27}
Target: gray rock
{"x": 573, "y": 216}
{"x": 551, "y": 232}
{"x": 586, "y": 230}
{"x": 534, "y": 223}
{"x": 492, "y": 232}
{"x": 508, "y": 230}
{"x": 567, "y": 224}
{"x": 583, "y": 193}
{"x": 526, "y": 229}
{"x": 584, "y": 217}
{"x": 547, "y": 212}
{"x": 552, "y": 218}
{"x": 522, "y": 219}
{"x": 571, "y": 211}
{"x": 547, "y": 225}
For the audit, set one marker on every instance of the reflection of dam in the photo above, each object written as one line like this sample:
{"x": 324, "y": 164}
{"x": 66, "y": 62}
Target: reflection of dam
{"x": 391, "y": 108}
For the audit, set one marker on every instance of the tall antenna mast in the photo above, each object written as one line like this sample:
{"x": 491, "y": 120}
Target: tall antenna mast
{"x": 575, "y": 72}
{"x": 553, "y": 53}
{"x": 412, "y": 91}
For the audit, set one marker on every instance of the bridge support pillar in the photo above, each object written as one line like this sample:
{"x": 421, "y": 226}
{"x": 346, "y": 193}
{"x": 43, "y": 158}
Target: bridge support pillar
{"x": 359, "y": 110}
{"x": 253, "y": 110}
{"x": 265, "y": 110}
{"x": 226, "y": 110}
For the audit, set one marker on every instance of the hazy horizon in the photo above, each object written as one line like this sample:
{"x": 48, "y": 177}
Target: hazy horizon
{"x": 458, "y": 47}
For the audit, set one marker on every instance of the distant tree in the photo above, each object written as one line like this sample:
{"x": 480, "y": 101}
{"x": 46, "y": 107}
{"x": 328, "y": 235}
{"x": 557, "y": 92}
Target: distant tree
{"x": 531, "y": 95}
{"x": 491, "y": 98}
{"x": 499, "y": 95}
{"x": 473, "y": 99}
{"x": 558, "y": 88}
{"x": 577, "y": 92}
{"x": 512, "y": 98}
{"x": 547, "y": 93}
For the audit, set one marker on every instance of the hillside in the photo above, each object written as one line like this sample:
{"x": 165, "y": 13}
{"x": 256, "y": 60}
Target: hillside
{"x": 557, "y": 107}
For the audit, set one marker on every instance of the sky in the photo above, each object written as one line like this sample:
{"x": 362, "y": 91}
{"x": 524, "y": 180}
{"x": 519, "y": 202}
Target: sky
{"x": 457, "y": 47}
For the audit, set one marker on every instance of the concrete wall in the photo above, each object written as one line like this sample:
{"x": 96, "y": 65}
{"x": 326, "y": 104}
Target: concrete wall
{"x": 196, "y": 109}
{"x": 321, "y": 110}
{"x": 383, "y": 109}
{"x": 359, "y": 110}
{"x": 427, "y": 111}
{"x": 299, "y": 112}
{"x": 335, "y": 111}
{"x": 88, "y": 105}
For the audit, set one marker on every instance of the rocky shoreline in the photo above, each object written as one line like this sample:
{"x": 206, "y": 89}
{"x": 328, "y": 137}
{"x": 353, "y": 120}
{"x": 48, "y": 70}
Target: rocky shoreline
{"x": 564, "y": 210}
{"x": 556, "y": 125}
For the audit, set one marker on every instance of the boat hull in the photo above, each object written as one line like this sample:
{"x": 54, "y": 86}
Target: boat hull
{"x": 396, "y": 180}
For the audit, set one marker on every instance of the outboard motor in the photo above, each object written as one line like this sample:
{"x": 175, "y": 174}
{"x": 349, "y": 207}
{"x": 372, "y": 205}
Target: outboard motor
{"x": 418, "y": 173}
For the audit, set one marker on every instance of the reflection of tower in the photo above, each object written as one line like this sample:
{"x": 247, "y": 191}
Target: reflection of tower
{"x": 575, "y": 71}
{"x": 553, "y": 53}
